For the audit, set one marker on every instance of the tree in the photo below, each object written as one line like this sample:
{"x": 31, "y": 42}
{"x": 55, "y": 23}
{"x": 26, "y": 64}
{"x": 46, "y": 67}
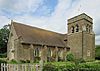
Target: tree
{"x": 4, "y": 34}
{"x": 97, "y": 51}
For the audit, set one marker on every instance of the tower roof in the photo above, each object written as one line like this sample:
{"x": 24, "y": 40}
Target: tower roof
{"x": 80, "y": 17}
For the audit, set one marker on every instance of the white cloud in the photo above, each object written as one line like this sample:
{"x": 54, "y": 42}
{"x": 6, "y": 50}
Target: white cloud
{"x": 64, "y": 10}
{"x": 89, "y": 7}
{"x": 4, "y": 21}
{"x": 34, "y": 21}
{"x": 97, "y": 40}
{"x": 26, "y": 5}
{"x": 20, "y": 6}
{"x": 92, "y": 9}
{"x": 55, "y": 22}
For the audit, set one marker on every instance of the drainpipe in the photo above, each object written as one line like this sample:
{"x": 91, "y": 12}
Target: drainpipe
{"x": 82, "y": 43}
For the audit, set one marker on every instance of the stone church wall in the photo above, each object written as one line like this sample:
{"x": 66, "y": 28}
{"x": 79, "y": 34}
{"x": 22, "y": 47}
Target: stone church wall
{"x": 75, "y": 44}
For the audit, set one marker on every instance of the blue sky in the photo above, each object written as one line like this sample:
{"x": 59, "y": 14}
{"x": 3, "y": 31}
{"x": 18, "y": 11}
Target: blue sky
{"x": 49, "y": 14}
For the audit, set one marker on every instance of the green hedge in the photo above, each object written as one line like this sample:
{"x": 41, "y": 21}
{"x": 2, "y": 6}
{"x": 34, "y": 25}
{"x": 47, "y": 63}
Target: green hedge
{"x": 64, "y": 68}
{"x": 2, "y": 61}
{"x": 50, "y": 67}
{"x": 69, "y": 66}
{"x": 90, "y": 65}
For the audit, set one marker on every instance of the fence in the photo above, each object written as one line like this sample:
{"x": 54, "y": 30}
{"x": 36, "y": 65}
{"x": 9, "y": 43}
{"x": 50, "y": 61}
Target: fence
{"x": 20, "y": 67}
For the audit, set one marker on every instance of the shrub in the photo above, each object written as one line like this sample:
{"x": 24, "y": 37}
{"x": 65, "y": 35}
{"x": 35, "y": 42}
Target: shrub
{"x": 70, "y": 66}
{"x": 2, "y": 61}
{"x": 89, "y": 65}
{"x": 36, "y": 59}
{"x": 27, "y": 61}
{"x": 13, "y": 61}
{"x": 22, "y": 61}
{"x": 70, "y": 57}
{"x": 78, "y": 61}
{"x": 50, "y": 67}
{"x": 81, "y": 60}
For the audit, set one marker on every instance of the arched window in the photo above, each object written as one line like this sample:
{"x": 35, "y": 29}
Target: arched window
{"x": 72, "y": 29}
{"x": 88, "y": 53}
{"x": 77, "y": 28}
{"x": 87, "y": 28}
{"x": 36, "y": 52}
{"x": 90, "y": 29}
{"x": 49, "y": 52}
{"x": 59, "y": 53}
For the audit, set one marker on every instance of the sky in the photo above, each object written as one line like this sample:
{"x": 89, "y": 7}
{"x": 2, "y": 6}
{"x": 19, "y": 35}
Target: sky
{"x": 49, "y": 14}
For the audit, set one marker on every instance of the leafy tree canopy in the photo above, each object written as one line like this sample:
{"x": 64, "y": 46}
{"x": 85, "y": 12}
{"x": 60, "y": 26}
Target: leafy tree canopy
{"x": 4, "y": 34}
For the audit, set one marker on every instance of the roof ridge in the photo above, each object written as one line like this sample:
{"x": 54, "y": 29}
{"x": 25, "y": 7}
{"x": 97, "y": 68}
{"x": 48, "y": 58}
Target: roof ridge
{"x": 13, "y": 22}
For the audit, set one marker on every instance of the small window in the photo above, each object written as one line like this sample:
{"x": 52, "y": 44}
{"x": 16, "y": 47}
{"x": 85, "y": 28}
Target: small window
{"x": 68, "y": 49}
{"x": 87, "y": 28}
{"x": 49, "y": 52}
{"x": 72, "y": 29}
{"x": 11, "y": 34}
{"x": 59, "y": 53}
{"x": 36, "y": 52}
{"x": 88, "y": 52}
{"x": 77, "y": 28}
{"x": 65, "y": 40}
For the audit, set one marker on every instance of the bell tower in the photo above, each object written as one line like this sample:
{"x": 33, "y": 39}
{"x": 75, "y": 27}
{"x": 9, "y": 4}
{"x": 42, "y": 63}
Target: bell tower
{"x": 81, "y": 38}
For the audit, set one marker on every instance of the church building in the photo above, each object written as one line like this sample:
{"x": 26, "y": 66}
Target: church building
{"x": 32, "y": 43}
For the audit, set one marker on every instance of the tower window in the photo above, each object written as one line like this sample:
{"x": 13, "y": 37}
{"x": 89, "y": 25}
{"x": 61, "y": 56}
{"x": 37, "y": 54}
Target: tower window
{"x": 77, "y": 28}
{"x": 72, "y": 29}
{"x": 87, "y": 28}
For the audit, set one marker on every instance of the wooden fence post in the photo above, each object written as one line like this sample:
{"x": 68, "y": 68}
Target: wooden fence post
{"x": 4, "y": 67}
{"x": 21, "y": 67}
{"x": 1, "y": 66}
{"x": 7, "y": 67}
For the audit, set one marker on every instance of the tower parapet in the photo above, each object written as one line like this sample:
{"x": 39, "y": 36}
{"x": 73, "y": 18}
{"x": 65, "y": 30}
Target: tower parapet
{"x": 80, "y": 17}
